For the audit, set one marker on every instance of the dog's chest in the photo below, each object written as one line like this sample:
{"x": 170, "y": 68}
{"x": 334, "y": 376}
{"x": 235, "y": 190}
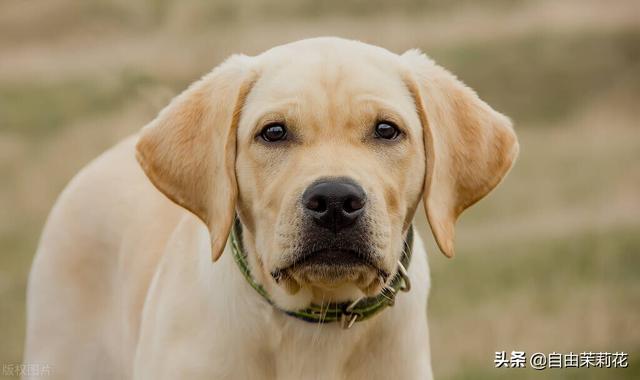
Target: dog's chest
{"x": 305, "y": 350}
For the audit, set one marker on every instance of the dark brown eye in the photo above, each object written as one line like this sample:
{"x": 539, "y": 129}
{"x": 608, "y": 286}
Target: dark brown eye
{"x": 387, "y": 130}
{"x": 274, "y": 132}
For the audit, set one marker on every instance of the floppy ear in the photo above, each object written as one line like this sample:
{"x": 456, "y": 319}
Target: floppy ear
{"x": 188, "y": 151}
{"x": 469, "y": 146}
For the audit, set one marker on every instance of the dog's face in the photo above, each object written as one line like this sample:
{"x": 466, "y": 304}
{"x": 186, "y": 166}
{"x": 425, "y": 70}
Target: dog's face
{"x": 324, "y": 148}
{"x": 330, "y": 167}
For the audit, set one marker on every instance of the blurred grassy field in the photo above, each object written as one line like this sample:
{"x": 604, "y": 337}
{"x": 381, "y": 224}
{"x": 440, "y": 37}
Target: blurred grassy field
{"x": 549, "y": 262}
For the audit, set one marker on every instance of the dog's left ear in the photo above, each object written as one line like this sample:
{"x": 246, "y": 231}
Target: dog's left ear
{"x": 188, "y": 152}
{"x": 469, "y": 146}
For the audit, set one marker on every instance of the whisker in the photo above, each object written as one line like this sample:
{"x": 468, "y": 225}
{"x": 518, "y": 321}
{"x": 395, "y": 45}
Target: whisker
{"x": 316, "y": 334}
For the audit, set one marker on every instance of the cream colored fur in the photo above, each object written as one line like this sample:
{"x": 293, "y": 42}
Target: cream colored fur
{"x": 123, "y": 285}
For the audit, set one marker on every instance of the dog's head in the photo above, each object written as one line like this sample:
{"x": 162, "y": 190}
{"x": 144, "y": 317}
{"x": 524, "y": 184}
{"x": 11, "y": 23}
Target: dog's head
{"x": 324, "y": 149}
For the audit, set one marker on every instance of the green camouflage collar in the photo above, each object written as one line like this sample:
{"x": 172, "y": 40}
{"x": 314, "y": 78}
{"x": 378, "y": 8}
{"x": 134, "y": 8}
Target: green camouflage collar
{"x": 347, "y": 313}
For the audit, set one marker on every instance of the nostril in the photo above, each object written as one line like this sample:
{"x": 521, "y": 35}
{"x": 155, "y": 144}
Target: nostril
{"x": 317, "y": 204}
{"x": 353, "y": 204}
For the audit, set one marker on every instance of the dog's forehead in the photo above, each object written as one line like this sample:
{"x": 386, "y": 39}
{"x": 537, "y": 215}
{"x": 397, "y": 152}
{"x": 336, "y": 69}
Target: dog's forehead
{"x": 329, "y": 64}
{"x": 322, "y": 75}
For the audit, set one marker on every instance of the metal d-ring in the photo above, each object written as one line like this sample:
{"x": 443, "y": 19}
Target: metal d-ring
{"x": 347, "y": 320}
{"x": 406, "y": 286}
{"x": 349, "y": 317}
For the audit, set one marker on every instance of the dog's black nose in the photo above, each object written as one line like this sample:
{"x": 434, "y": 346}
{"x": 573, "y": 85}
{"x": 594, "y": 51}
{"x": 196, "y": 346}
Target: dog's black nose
{"x": 334, "y": 204}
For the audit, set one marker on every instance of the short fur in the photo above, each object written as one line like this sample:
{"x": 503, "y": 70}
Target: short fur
{"x": 123, "y": 285}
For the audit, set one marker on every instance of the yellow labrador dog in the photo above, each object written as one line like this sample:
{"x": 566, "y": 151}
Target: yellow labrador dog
{"x": 299, "y": 171}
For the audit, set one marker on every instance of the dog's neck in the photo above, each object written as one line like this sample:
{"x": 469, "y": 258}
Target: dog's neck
{"x": 290, "y": 348}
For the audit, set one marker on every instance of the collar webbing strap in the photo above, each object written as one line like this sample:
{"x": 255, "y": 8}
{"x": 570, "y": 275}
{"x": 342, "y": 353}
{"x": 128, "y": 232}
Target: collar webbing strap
{"x": 347, "y": 312}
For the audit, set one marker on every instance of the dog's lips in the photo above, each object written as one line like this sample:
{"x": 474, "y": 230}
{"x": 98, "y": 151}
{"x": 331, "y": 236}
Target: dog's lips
{"x": 330, "y": 268}
{"x": 332, "y": 257}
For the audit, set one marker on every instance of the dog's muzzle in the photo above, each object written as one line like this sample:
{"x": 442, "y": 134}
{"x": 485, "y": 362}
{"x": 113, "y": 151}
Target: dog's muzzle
{"x": 334, "y": 246}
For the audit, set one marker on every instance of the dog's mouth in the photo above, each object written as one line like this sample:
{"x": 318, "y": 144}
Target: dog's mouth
{"x": 331, "y": 268}
{"x": 333, "y": 258}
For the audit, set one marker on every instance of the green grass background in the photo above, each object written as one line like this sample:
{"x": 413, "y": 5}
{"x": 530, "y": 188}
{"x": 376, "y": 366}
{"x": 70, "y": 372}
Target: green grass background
{"x": 548, "y": 262}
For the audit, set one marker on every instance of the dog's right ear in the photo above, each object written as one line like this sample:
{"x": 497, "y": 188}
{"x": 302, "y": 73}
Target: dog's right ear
{"x": 188, "y": 151}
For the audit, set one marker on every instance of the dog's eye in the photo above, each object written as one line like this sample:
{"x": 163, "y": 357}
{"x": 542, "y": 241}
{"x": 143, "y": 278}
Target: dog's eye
{"x": 387, "y": 130}
{"x": 274, "y": 132}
